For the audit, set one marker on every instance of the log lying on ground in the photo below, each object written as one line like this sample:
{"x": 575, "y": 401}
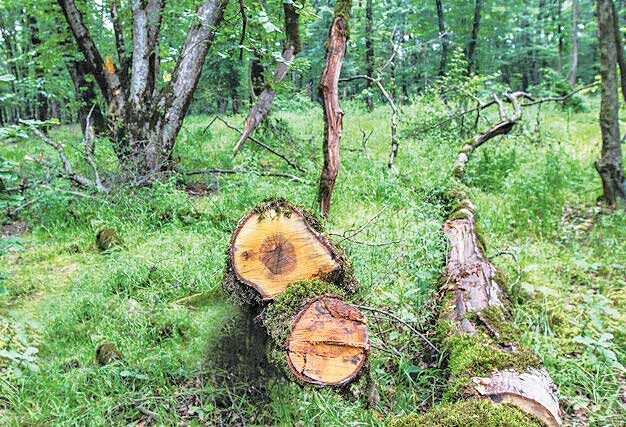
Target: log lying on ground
{"x": 281, "y": 265}
{"x": 319, "y": 338}
{"x": 277, "y": 244}
{"x": 487, "y": 364}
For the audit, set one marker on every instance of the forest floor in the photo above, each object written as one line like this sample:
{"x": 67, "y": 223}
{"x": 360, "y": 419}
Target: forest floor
{"x": 157, "y": 298}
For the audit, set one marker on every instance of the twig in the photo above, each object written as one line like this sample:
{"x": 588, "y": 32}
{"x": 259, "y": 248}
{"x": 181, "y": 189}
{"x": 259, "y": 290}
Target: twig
{"x": 267, "y": 147}
{"x": 89, "y": 148}
{"x": 217, "y": 171}
{"x": 397, "y": 319}
{"x": 361, "y": 228}
{"x": 67, "y": 166}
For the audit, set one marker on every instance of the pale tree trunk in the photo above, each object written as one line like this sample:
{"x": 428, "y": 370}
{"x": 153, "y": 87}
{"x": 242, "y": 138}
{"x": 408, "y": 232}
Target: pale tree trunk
{"x": 329, "y": 92}
{"x": 443, "y": 36}
{"x": 144, "y": 120}
{"x": 266, "y": 92}
{"x": 559, "y": 32}
{"x": 609, "y": 166}
{"x": 471, "y": 46}
{"x": 369, "y": 52}
{"x": 574, "y": 66}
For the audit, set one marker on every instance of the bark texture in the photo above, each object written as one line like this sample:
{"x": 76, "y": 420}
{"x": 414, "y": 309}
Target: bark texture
{"x": 266, "y": 96}
{"x": 329, "y": 92}
{"x": 471, "y": 46}
{"x": 609, "y": 166}
{"x": 369, "y": 51}
{"x": 443, "y": 36}
{"x": 573, "y": 72}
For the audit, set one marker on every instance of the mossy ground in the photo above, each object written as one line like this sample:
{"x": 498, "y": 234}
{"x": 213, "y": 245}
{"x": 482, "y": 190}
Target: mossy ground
{"x": 469, "y": 413}
{"x": 156, "y": 297}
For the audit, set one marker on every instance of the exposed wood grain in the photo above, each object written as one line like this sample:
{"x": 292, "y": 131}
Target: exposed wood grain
{"x": 276, "y": 247}
{"x": 328, "y": 343}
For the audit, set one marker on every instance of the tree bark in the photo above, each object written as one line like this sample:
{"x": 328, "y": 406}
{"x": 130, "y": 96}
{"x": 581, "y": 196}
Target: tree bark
{"x": 574, "y": 65}
{"x": 144, "y": 121}
{"x": 559, "y": 35}
{"x": 609, "y": 166}
{"x": 86, "y": 96}
{"x": 471, "y": 46}
{"x": 266, "y": 96}
{"x": 369, "y": 52}
{"x": 329, "y": 92}
{"x": 443, "y": 36}
{"x": 619, "y": 48}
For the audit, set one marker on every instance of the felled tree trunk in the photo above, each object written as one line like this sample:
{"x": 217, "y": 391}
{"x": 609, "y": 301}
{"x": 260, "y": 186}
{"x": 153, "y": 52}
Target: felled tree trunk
{"x": 487, "y": 363}
{"x": 282, "y": 265}
{"x": 329, "y": 92}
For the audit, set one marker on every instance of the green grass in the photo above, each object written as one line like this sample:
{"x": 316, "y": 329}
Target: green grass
{"x": 64, "y": 298}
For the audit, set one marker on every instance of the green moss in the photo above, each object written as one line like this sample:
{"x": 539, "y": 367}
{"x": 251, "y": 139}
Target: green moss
{"x": 280, "y": 313}
{"x": 342, "y": 10}
{"x": 468, "y": 413}
{"x": 107, "y": 238}
{"x": 480, "y": 356}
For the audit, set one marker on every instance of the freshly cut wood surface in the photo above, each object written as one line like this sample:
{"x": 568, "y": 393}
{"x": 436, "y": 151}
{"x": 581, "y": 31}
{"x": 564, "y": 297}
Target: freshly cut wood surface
{"x": 328, "y": 343}
{"x": 276, "y": 247}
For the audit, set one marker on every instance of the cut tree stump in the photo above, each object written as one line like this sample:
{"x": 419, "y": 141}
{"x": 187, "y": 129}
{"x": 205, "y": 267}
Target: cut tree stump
{"x": 328, "y": 343}
{"x": 277, "y": 244}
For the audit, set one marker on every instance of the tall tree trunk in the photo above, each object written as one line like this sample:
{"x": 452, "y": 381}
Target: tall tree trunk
{"x": 144, "y": 121}
{"x": 267, "y": 92}
{"x": 443, "y": 37}
{"x": 41, "y": 99}
{"x": 609, "y": 166}
{"x": 559, "y": 35}
{"x": 329, "y": 92}
{"x": 471, "y": 46}
{"x": 574, "y": 66}
{"x": 86, "y": 96}
{"x": 619, "y": 49}
{"x": 369, "y": 52}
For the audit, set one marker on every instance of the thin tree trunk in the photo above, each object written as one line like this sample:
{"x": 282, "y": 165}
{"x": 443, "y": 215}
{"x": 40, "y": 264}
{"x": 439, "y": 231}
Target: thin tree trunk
{"x": 443, "y": 36}
{"x": 574, "y": 66}
{"x": 609, "y": 166}
{"x": 471, "y": 46}
{"x": 559, "y": 35}
{"x": 329, "y": 92}
{"x": 369, "y": 51}
{"x": 619, "y": 48}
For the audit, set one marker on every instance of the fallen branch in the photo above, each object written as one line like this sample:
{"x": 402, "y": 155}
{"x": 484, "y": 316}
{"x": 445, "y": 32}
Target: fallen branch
{"x": 218, "y": 171}
{"x": 487, "y": 362}
{"x": 261, "y": 144}
{"x": 78, "y": 179}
